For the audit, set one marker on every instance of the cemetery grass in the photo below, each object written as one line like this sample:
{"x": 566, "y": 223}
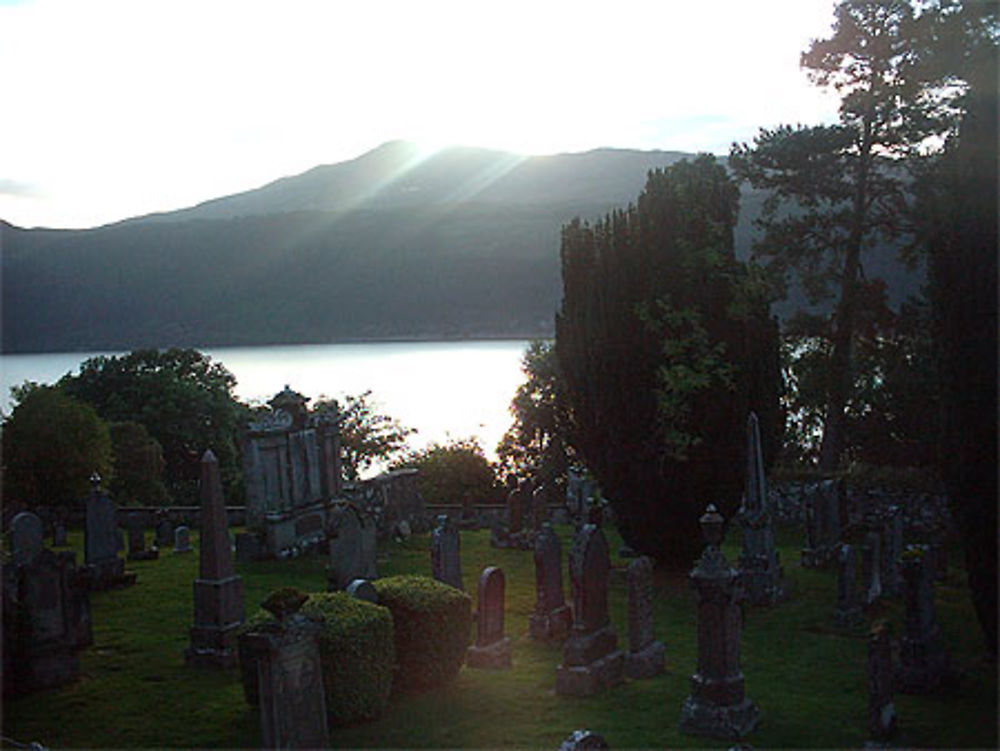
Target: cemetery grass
{"x": 807, "y": 677}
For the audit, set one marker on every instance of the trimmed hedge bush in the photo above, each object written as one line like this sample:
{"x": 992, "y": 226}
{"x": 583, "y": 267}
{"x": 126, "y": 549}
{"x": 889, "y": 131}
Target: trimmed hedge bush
{"x": 357, "y": 651}
{"x": 431, "y": 622}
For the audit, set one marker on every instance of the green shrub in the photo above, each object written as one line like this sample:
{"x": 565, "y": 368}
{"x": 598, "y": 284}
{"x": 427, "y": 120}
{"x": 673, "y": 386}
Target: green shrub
{"x": 357, "y": 651}
{"x": 431, "y": 622}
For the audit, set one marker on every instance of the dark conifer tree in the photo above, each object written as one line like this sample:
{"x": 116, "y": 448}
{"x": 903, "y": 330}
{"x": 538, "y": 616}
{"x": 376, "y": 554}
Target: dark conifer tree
{"x": 665, "y": 344}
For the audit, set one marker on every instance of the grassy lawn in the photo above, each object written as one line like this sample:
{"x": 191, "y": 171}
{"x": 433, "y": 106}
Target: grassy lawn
{"x": 807, "y": 677}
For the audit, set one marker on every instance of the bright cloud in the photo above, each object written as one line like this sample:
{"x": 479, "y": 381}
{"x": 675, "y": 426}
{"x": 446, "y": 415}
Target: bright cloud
{"x": 117, "y": 108}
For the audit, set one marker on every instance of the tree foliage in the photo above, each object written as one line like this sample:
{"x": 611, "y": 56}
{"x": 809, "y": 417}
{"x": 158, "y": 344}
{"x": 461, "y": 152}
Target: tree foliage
{"x": 367, "y": 437}
{"x": 665, "y": 344}
{"x": 138, "y": 466}
{"x": 183, "y": 399}
{"x": 52, "y": 444}
{"x": 537, "y": 443}
{"x": 838, "y": 191}
{"x": 450, "y": 471}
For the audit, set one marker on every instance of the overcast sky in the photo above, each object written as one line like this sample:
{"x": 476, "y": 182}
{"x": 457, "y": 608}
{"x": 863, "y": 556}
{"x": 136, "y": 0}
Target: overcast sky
{"x": 114, "y": 109}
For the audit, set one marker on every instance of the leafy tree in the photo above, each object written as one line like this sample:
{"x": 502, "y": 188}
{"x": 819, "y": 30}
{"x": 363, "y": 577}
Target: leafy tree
{"x": 957, "y": 217}
{"x": 665, "y": 345}
{"x": 366, "y": 436}
{"x": 52, "y": 444}
{"x": 182, "y": 398}
{"x": 836, "y": 192}
{"x": 138, "y": 466}
{"x": 449, "y": 471}
{"x": 536, "y": 444}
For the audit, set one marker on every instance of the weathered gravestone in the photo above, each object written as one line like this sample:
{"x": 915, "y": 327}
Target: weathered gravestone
{"x": 362, "y": 589}
{"x": 848, "y": 612}
{"x": 101, "y": 543}
{"x": 59, "y": 536}
{"x": 27, "y": 536}
{"x": 871, "y": 556}
{"x": 552, "y": 618}
{"x": 137, "y": 543}
{"x": 924, "y": 661}
{"x": 218, "y": 591}
{"x": 646, "y": 656}
{"x": 584, "y": 740}
{"x": 46, "y": 621}
{"x": 823, "y": 525}
{"x": 892, "y": 549}
{"x": 446, "y": 554}
{"x": 182, "y": 540}
{"x": 592, "y": 661}
{"x": 288, "y": 685}
{"x": 469, "y": 518}
{"x": 249, "y": 547}
{"x": 718, "y": 705}
{"x": 164, "y": 532}
{"x": 539, "y": 507}
{"x": 352, "y": 547}
{"x": 759, "y": 565}
{"x": 881, "y": 708}
{"x": 492, "y": 648}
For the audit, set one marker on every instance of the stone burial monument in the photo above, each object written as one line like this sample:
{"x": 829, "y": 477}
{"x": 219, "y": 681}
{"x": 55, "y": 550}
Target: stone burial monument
{"x": 492, "y": 648}
{"x": 552, "y": 618}
{"x": 446, "y": 552}
{"x": 218, "y": 591}
{"x": 925, "y": 665}
{"x": 287, "y": 676}
{"x": 718, "y": 705}
{"x": 646, "y": 656}
{"x": 291, "y": 467}
{"x": 592, "y": 661}
{"x": 822, "y": 525}
{"x": 105, "y": 569}
{"x": 352, "y": 547}
{"x": 46, "y": 612}
{"x": 759, "y": 564}
{"x": 137, "y": 550}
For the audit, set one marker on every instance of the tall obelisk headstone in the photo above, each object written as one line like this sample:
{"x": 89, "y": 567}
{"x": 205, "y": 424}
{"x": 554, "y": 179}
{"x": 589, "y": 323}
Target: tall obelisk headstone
{"x": 218, "y": 591}
{"x": 718, "y": 705}
{"x": 759, "y": 563}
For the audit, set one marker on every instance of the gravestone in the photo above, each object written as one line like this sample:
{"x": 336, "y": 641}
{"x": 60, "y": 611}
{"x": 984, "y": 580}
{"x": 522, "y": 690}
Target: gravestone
{"x": 592, "y": 661}
{"x": 848, "y": 612}
{"x": 924, "y": 661}
{"x": 362, "y": 589}
{"x": 492, "y": 648}
{"x": 871, "y": 555}
{"x": 102, "y": 543}
{"x": 59, "y": 536}
{"x": 249, "y": 547}
{"x": 218, "y": 591}
{"x": 823, "y": 525}
{"x": 27, "y": 537}
{"x": 446, "y": 555}
{"x": 137, "y": 544}
{"x": 584, "y": 740}
{"x": 164, "y": 532}
{"x": 182, "y": 540}
{"x": 759, "y": 565}
{"x": 892, "y": 549}
{"x": 352, "y": 547}
{"x": 718, "y": 705}
{"x": 289, "y": 683}
{"x": 539, "y": 508}
{"x": 552, "y": 618}
{"x": 46, "y": 621}
{"x": 646, "y": 656}
{"x": 881, "y": 708}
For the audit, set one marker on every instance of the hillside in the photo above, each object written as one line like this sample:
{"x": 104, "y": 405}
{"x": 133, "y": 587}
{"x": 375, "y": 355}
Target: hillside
{"x": 464, "y": 244}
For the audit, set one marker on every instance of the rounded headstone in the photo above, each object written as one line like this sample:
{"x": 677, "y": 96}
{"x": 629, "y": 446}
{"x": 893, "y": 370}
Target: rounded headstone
{"x": 26, "y": 537}
{"x": 362, "y": 589}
